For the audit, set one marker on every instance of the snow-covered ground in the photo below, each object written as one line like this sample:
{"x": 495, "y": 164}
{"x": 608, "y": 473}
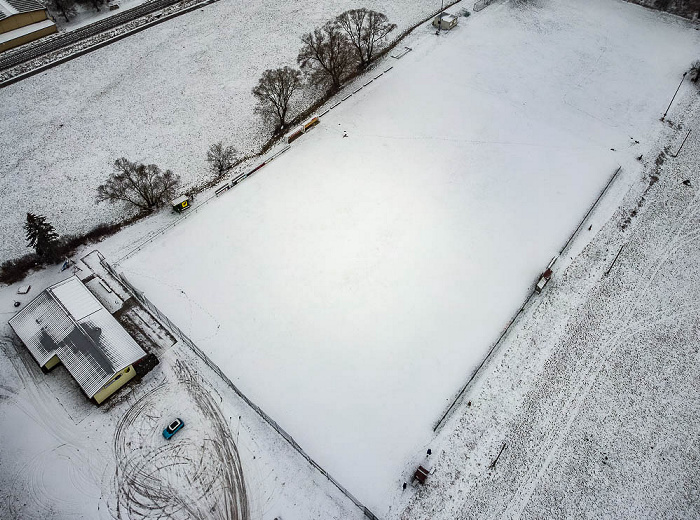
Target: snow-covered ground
{"x": 594, "y": 393}
{"x": 161, "y": 96}
{"x": 63, "y": 457}
{"x": 352, "y": 286}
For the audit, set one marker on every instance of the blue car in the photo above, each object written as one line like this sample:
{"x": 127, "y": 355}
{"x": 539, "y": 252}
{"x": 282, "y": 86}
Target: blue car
{"x": 173, "y": 428}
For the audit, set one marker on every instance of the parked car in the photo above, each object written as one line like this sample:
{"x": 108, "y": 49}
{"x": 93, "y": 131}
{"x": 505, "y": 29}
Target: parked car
{"x": 173, "y": 428}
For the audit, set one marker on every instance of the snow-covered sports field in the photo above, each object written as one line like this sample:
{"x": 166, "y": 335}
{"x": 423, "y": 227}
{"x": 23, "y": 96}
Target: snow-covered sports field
{"x": 352, "y": 285}
{"x": 161, "y": 96}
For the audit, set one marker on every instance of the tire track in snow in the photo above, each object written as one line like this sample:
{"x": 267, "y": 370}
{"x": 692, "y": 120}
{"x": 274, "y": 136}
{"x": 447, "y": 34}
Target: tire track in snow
{"x": 593, "y": 366}
{"x": 178, "y": 478}
{"x": 43, "y": 409}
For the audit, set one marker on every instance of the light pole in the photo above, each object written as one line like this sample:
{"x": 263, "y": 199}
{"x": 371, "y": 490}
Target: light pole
{"x": 442, "y": 6}
{"x": 674, "y": 96}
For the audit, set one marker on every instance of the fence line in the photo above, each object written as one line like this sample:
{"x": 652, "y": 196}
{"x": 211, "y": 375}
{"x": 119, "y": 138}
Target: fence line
{"x": 493, "y": 348}
{"x": 387, "y": 48}
{"x": 217, "y": 192}
{"x": 141, "y": 297}
{"x": 227, "y": 186}
{"x": 590, "y": 210}
{"x": 476, "y": 371}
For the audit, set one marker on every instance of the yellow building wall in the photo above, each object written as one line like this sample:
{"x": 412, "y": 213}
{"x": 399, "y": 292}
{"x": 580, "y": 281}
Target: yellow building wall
{"x": 27, "y": 38}
{"x": 119, "y": 380}
{"x": 52, "y": 363}
{"x": 20, "y": 20}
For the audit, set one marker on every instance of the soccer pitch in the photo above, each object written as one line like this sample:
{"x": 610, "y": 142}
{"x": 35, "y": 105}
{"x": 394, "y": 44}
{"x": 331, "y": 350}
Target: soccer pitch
{"x": 351, "y": 286}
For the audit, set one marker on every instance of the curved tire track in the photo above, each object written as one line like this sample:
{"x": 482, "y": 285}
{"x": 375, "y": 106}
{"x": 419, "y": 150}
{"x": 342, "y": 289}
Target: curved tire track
{"x": 178, "y": 478}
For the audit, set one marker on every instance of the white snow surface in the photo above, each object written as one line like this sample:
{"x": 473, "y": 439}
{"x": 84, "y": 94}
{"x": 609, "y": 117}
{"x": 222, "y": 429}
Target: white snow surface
{"x": 161, "y": 96}
{"x": 352, "y": 285}
{"x": 592, "y": 398}
{"x": 64, "y": 457}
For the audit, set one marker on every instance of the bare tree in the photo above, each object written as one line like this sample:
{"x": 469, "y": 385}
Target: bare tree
{"x": 143, "y": 186}
{"x": 274, "y": 91}
{"x": 694, "y": 72}
{"x": 365, "y": 29}
{"x": 221, "y": 158}
{"x": 327, "y": 55}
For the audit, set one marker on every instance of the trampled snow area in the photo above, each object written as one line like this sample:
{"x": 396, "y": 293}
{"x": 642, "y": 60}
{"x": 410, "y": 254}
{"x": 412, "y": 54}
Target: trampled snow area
{"x": 352, "y": 285}
{"x": 161, "y": 96}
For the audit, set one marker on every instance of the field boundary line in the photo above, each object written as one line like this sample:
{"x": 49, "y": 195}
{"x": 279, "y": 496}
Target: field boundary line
{"x": 440, "y": 422}
{"x": 174, "y": 329}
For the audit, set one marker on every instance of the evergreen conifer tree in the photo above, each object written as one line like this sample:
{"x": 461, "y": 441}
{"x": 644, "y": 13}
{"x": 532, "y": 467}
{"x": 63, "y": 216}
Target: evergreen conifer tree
{"x": 42, "y": 237}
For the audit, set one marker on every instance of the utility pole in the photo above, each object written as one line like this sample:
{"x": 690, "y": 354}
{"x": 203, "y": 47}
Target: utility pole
{"x": 674, "y": 96}
{"x": 442, "y": 6}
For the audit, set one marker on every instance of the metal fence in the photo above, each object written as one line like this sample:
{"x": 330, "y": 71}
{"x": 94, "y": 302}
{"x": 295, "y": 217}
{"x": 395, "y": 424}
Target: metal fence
{"x": 512, "y": 321}
{"x": 144, "y": 241}
{"x": 141, "y": 297}
{"x": 391, "y": 44}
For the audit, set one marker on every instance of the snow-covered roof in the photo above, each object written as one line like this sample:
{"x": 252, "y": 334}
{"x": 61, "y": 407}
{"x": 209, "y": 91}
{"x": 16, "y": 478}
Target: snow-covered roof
{"x": 446, "y": 16}
{"x": 67, "y": 321}
{"x": 179, "y": 200}
{"x": 12, "y": 7}
{"x": 27, "y": 29}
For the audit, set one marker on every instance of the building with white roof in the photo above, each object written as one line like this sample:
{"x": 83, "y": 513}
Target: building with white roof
{"x": 445, "y": 21}
{"x": 67, "y": 324}
{"x": 22, "y": 21}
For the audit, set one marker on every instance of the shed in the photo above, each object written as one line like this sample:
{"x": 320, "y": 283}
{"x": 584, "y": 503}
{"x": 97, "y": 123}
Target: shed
{"x": 22, "y": 21}
{"x": 181, "y": 203}
{"x": 67, "y": 324}
{"x": 445, "y": 21}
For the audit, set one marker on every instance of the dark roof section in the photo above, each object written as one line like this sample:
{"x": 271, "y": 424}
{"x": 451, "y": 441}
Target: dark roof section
{"x": 67, "y": 321}
{"x": 26, "y": 6}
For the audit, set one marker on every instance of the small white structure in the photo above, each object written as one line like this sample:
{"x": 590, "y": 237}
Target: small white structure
{"x": 445, "y": 21}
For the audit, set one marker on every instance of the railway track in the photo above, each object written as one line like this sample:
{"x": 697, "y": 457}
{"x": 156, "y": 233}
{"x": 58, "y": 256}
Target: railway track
{"x": 72, "y": 37}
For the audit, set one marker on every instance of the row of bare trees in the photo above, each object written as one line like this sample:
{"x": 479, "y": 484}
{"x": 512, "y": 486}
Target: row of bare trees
{"x": 328, "y": 56}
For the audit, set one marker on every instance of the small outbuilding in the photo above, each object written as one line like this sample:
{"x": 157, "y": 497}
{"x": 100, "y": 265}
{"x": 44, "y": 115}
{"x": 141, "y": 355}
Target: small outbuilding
{"x": 181, "y": 203}
{"x": 23, "y": 21}
{"x": 445, "y": 21}
{"x": 67, "y": 324}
